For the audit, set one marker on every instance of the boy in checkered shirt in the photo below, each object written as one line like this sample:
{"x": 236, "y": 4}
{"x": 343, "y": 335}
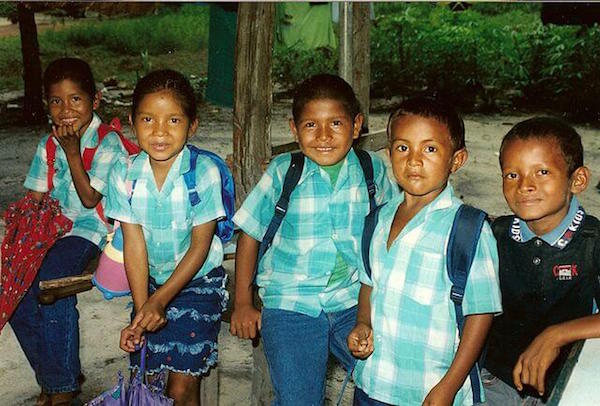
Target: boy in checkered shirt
{"x": 308, "y": 279}
{"x": 406, "y": 335}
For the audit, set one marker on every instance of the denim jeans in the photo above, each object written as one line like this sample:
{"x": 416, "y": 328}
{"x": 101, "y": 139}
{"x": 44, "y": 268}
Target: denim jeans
{"x": 297, "y": 347}
{"x": 362, "y": 399}
{"x": 498, "y": 393}
{"x": 49, "y": 334}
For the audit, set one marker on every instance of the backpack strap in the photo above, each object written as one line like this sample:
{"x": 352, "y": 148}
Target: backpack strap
{"x": 103, "y": 130}
{"x": 366, "y": 164}
{"x": 190, "y": 177}
{"x": 370, "y": 224}
{"x": 591, "y": 235}
{"x": 462, "y": 246}
{"x": 292, "y": 177}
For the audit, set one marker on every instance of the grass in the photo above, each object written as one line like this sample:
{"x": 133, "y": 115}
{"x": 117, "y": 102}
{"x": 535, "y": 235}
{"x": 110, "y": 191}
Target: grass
{"x": 177, "y": 40}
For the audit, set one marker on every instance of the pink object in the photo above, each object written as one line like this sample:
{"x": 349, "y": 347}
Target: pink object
{"x": 110, "y": 277}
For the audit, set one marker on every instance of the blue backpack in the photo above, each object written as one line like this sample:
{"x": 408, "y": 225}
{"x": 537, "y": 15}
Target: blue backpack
{"x": 225, "y": 225}
{"x": 292, "y": 177}
{"x": 462, "y": 244}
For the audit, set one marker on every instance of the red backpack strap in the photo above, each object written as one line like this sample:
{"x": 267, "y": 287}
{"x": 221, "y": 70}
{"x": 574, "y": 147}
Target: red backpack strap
{"x": 50, "y": 159}
{"x": 103, "y": 129}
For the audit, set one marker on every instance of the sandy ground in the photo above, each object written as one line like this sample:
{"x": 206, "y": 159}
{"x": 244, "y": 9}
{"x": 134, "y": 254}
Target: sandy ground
{"x": 478, "y": 183}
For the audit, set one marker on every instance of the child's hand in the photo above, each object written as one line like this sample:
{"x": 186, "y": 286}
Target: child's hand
{"x": 360, "y": 341}
{"x": 533, "y": 363}
{"x": 150, "y": 317}
{"x": 67, "y": 137}
{"x": 439, "y": 395}
{"x": 245, "y": 321}
{"x": 131, "y": 338}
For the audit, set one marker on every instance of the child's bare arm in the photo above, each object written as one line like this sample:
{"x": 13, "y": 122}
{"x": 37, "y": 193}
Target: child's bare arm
{"x": 534, "y": 362}
{"x": 360, "y": 339}
{"x": 69, "y": 140}
{"x": 245, "y": 319}
{"x": 471, "y": 343}
{"x": 151, "y": 316}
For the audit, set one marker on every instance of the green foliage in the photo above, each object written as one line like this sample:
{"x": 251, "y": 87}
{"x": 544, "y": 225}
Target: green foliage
{"x": 292, "y": 65}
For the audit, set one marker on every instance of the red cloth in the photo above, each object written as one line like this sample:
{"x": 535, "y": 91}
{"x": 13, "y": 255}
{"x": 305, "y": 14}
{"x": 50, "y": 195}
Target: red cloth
{"x": 32, "y": 227}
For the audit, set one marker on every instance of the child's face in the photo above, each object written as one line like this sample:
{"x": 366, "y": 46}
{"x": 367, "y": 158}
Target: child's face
{"x": 422, "y": 156}
{"x": 161, "y": 126}
{"x": 325, "y": 131}
{"x": 69, "y": 105}
{"x": 536, "y": 183}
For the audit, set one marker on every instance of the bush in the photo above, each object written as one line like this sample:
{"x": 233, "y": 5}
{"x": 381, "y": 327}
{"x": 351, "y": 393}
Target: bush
{"x": 291, "y": 65}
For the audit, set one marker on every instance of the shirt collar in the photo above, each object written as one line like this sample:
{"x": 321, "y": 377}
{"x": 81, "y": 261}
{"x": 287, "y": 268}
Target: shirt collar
{"x": 311, "y": 167}
{"x": 140, "y": 164}
{"x": 91, "y": 130}
{"x": 560, "y": 236}
{"x": 442, "y": 201}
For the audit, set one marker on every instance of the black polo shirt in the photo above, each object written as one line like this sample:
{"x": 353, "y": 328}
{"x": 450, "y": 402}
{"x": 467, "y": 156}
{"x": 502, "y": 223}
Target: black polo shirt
{"x": 541, "y": 285}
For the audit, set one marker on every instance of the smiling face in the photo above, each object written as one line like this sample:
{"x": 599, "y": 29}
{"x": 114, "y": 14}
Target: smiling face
{"x": 162, "y": 127}
{"x": 325, "y": 131}
{"x": 536, "y": 182}
{"x": 69, "y": 104}
{"x": 422, "y": 156}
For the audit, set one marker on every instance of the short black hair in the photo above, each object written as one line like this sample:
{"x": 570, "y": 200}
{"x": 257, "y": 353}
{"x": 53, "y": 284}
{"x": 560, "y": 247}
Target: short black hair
{"x": 166, "y": 79}
{"x": 434, "y": 109}
{"x": 325, "y": 86}
{"x": 74, "y": 69}
{"x": 545, "y": 129}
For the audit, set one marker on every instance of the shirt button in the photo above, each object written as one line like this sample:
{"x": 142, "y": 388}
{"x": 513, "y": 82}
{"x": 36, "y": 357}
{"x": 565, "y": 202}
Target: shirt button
{"x": 538, "y": 243}
{"x": 334, "y": 236}
{"x": 537, "y": 260}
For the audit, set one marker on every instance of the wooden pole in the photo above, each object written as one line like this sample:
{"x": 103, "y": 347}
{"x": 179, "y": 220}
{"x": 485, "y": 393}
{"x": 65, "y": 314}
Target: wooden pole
{"x": 252, "y": 97}
{"x": 345, "y": 41}
{"x": 252, "y": 103}
{"x": 361, "y": 57}
{"x": 33, "y": 107}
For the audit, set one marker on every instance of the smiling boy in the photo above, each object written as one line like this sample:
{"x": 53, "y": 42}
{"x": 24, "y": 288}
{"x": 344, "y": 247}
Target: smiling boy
{"x": 549, "y": 262}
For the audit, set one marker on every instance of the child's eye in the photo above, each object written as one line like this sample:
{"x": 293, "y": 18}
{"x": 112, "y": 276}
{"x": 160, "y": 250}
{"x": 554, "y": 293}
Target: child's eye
{"x": 146, "y": 119}
{"x": 309, "y": 124}
{"x": 337, "y": 122}
{"x": 175, "y": 120}
{"x": 430, "y": 148}
{"x": 510, "y": 175}
{"x": 543, "y": 171}
{"x": 54, "y": 100}
{"x": 402, "y": 148}
{"x": 76, "y": 98}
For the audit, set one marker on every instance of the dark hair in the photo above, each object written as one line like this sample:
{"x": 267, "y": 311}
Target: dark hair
{"x": 546, "y": 129}
{"x": 324, "y": 86}
{"x": 434, "y": 109}
{"x": 166, "y": 79}
{"x": 73, "y": 69}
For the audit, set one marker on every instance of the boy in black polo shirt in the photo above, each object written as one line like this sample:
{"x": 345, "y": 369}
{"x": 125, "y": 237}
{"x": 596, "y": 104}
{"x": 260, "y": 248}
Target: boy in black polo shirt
{"x": 549, "y": 262}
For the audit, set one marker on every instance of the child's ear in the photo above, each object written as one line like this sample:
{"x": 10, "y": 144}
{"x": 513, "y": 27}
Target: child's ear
{"x": 293, "y": 129}
{"x": 131, "y": 124}
{"x": 580, "y": 179}
{"x": 358, "y": 122}
{"x": 96, "y": 100}
{"x": 459, "y": 159}
{"x": 193, "y": 127}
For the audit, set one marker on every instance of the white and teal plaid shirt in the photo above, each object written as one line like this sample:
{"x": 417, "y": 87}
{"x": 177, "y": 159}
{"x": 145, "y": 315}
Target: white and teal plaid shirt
{"x": 167, "y": 216}
{"x": 413, "y": 318}
{"x": 294, "y": 273}
{"x": 86, "y": 222}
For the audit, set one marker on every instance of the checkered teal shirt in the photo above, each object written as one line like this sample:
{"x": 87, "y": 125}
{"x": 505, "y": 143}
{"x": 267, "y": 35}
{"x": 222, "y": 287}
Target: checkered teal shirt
{"x": 86, "y": 222}
{"x": 413, "y": 318}
{"x": 320, "y": 221}
{"x": 167, "y": 216}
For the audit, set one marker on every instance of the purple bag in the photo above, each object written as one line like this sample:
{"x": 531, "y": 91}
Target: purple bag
{"x": 137, "y": 393}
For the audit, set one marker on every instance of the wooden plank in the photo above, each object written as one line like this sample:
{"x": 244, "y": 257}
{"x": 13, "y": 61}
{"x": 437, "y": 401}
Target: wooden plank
{"x": 209, "y": 388}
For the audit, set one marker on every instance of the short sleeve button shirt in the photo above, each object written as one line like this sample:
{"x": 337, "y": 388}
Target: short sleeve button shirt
{"x": 167, "y": 216}
{"x": 86, "y": 222}
{"x": 412, "y": 316}
{"x": 320, "y": 222}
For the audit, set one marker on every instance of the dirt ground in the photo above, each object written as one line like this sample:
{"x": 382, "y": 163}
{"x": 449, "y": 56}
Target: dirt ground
{"x": 478, "y": 183}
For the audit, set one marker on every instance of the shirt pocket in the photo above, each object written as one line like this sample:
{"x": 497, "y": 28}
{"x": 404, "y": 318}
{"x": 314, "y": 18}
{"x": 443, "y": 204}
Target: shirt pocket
{"x": 426, "y": 280}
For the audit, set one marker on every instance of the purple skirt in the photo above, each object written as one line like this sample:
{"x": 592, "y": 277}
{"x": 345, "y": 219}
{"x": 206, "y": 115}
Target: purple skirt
{"x": 187, "y": 344}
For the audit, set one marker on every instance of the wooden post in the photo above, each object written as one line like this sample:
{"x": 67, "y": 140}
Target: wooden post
{"x": 33, "y": 107}
{"x": 361, "y": 57}
{"x": 345, "y": 41}
{"x": 252, "y": 103}
{"x": 252, "y": 96}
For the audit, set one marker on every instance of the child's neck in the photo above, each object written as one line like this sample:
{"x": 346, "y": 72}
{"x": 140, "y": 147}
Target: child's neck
{"x": 407, "y": 210}
{"x": 160, "y": 170}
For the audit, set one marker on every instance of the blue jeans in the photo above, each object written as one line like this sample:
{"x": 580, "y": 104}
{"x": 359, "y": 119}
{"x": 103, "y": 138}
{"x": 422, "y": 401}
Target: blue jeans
{"x": 498, "y": 393}
{"x": 297, "y": 347}
{"x": 362, "y": 399}
{"x": 49, "y": 334}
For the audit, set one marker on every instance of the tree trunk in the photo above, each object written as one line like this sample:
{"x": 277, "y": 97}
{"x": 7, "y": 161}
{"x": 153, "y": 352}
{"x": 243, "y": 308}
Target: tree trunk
{"x": 252, "y": 94}
{"x": 361, "y": 57}
{"x": 33, "y": 107}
